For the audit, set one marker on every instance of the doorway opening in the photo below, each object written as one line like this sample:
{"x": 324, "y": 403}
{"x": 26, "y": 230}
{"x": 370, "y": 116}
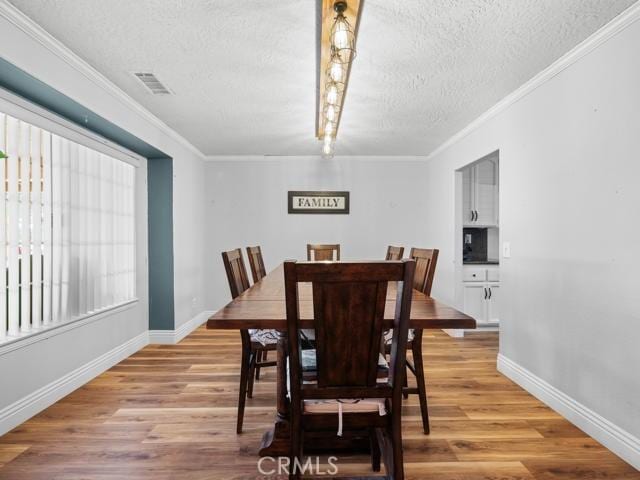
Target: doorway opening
{"x": 477, "y": 241}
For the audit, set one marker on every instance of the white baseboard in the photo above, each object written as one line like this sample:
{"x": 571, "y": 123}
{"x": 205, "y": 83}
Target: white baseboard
{"x": 171, "y": 337}
{"x": 616, "y": 439}
{"x": 25, "y": 408}
{"x": 453, "y": 333}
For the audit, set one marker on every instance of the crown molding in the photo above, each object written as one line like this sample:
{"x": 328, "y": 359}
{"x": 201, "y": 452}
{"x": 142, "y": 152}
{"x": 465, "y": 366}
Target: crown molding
{"x": 337, "y": 158}
{"x": 611, "y": 29}
{"x": 37, "y": 33}
{"x": 236, "y": 158}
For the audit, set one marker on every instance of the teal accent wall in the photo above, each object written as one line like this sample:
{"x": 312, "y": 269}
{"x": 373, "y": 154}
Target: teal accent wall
{"x": 21, "y": 83}
{"x": 160, "y": 211}
{"x": 159, "y": 181}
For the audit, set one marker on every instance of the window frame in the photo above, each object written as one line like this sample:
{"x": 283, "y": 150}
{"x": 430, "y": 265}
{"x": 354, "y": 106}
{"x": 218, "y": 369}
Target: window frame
{"x": 22, "y": 109}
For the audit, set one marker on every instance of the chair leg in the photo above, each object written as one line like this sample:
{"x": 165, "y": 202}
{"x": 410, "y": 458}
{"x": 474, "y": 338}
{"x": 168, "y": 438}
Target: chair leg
{"x": 260, "y": 357}
{"x": 397, "y": 461}
{"x": 383, "y": 437}
{"x": 405, "y": 394}
{"x": 422, "y": 389}
{"x": 242, "y": 395}
{"x": 295, "y": 457}
{"x": 375, "y": 450}
{"x": 252, "y": 374}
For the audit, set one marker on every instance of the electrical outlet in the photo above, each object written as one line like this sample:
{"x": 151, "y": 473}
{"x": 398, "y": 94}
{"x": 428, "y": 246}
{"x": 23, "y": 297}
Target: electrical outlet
{"x": 506, "y": 250}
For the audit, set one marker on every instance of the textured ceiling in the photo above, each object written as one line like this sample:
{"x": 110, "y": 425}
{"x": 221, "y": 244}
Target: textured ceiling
{"x": 244, "y": 72}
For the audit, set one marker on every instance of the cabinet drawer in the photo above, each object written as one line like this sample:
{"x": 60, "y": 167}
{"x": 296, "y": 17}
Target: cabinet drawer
{"x": 474, "y": 274}
{"x": 493, "y": 275}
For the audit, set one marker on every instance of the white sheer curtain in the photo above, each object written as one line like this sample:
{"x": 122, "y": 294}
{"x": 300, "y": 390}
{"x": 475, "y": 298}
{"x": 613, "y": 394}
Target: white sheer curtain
{"x": 67, "y": 237}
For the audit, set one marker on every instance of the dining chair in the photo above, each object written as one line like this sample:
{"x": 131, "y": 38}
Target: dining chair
{"x": 426, "y": 261}
{"x": 256, "y": 263}
{"x": 345, "y": 383}
{"x": 255, "y": 343}
{"x": 394, "y": 253}
{"x": 319, "y": 252}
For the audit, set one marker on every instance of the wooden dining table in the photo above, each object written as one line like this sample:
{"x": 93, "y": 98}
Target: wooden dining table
{"x": 262, "y": 306}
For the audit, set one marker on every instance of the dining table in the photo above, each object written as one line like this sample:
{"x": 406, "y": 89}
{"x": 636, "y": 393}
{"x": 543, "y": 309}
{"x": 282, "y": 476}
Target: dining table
{"x": 262, "y": 306}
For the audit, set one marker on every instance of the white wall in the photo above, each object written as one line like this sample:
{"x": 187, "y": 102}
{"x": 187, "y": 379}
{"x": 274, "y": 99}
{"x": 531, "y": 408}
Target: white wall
{"x": 246, "y": 204}
{"x": 188, "y": 238}
{"x": 25, "y": 371}
{"x": 569, "y": 199}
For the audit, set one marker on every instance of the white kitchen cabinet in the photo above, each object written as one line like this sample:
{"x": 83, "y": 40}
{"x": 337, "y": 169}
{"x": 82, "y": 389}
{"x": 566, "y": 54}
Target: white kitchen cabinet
{"x": 482, "y": 302}
{"x": 480, "y": 193}
{"x": 493, "y": 303}
{"x": 474, "y": 302}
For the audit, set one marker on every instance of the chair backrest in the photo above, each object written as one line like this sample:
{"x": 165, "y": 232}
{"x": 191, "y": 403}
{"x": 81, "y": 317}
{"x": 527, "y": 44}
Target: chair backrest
{"x": 236, "y": 271}
{"x": 394, "y": 253}
{"x": 254, "y": 254}
{"x": 426, "y": 260}
{"x": 349, "y": 301}
{"x": 323, "y": 252}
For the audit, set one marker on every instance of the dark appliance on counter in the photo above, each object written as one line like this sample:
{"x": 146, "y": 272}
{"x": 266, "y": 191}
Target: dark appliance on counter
{"x": 474, "y": 245}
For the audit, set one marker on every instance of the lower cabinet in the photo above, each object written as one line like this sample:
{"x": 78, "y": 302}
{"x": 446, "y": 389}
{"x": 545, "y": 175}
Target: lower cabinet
{"x": 493, "y": 303}
{"x": 474, "y": 302}
{"x": 482, "y": 302}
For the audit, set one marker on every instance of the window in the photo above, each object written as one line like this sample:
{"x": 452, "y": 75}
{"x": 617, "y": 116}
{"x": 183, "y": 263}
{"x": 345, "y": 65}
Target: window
{"x": 67, "y": 229}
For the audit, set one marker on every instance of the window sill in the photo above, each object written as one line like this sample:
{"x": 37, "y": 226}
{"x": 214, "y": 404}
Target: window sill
{"x": 11, "y": 343}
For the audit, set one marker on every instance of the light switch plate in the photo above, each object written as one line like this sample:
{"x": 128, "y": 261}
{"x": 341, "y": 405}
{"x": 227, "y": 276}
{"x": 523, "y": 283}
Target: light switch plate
{"x": 506, "y": 250}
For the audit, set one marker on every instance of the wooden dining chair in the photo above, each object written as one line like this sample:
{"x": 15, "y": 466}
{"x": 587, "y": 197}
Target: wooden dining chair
{"x": 394, "y": 253}
{"x": 255, "y": 343}
{"x": 426, "y": 261}
{"x": 256, "y": 263}
{"x": 319, "y": 252}
{"x": 346, "y": 383}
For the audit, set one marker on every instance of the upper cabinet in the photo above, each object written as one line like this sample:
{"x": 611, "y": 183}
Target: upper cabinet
{"x": 480, "y": 193}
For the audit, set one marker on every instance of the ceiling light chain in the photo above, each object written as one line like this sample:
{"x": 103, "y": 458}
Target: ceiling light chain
{"x": 342, "y": 44}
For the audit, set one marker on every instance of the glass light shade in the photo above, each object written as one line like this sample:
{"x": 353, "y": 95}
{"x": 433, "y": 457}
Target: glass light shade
{"x": 337, "y": 71}
{"x": 342, "y": 39}
{"x": 329, "y": 129}
{"x": 331, "y": 113}
{"x": 327, "y": 148}
{"x": 340, "y": 34}
{"x": 333, "y": 93}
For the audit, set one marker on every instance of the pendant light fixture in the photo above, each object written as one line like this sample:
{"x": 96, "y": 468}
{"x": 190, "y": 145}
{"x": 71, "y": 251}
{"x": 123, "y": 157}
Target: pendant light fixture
{"x": 338, "y": 41}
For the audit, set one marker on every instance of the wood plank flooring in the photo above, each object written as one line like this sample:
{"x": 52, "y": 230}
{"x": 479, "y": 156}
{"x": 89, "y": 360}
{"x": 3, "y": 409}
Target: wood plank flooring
{"x": 169, "y": 412}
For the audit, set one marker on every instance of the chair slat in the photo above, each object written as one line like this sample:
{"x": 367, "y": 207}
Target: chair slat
{"x": 426, "y": 260}
{"x": 256, "y": 263}
{"x": 394, "y": 253}
{"x": 323, "y": 252}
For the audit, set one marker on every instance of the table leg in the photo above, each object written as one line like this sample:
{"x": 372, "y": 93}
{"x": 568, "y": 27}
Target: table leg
{"x": 276, "y": 442}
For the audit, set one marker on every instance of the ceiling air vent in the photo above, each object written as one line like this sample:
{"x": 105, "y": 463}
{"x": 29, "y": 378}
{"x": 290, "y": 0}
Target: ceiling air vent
{"x": 152, "y": 84}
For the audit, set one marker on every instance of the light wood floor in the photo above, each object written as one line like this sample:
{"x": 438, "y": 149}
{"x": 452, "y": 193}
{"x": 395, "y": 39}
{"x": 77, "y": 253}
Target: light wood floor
{"x": 168, "y": 412}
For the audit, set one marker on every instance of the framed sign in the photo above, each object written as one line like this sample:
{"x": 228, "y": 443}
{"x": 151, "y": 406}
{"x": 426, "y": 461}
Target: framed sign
{"x": 319, "y": 202}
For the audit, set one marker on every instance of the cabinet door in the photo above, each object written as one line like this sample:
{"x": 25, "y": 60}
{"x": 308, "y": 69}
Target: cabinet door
{"x": 493, "y": 304}
{"x": 486, "y": 192}
{"x": 475, "y": 302}
{"x": 468, "y": 196}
